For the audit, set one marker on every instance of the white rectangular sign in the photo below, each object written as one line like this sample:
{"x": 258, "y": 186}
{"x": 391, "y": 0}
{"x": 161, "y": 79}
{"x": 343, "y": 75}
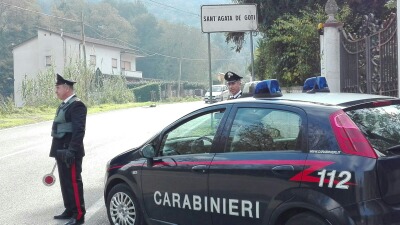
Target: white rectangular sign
{"x": 229, "y": 18}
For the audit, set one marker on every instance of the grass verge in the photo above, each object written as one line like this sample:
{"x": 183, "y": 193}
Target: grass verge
{"x": 29, "y": 115}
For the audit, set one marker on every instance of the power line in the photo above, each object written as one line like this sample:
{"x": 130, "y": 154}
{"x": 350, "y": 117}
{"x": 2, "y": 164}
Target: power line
{"x": 32, "y": 11}
{"x": 149, "y": 53}
{"x": 152, "y": 53}
{"x": 174, "y": 8}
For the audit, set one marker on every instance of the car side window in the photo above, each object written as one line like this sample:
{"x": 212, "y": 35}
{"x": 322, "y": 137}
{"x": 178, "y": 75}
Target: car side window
{"x": 260, "y": 129}
{"x": 192, "y": 137}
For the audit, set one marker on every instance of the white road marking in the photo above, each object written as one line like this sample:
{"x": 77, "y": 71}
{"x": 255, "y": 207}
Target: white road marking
{"x": 16, "y": 153}
{"x": 94, "y": 208}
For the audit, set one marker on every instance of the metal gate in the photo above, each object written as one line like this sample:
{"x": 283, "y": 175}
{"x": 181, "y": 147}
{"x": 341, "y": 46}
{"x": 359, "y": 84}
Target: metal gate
{"x": 369, "y": 64}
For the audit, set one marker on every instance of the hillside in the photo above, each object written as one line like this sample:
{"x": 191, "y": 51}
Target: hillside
{"x": 180, "y": 11}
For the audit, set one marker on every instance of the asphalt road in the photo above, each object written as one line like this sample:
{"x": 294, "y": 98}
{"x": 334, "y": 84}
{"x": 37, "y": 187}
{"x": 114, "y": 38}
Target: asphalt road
{"x": 24, "y": 160}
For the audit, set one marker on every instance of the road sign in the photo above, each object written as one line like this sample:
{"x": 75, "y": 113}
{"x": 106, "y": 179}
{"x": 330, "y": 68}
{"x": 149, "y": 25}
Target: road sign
{"x": 229, "y": 18}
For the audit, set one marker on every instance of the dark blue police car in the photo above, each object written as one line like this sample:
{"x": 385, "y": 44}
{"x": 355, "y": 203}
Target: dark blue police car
{"x": 309, "y": 158}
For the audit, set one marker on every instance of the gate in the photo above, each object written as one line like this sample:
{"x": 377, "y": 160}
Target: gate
{"x": 369, "y": 64}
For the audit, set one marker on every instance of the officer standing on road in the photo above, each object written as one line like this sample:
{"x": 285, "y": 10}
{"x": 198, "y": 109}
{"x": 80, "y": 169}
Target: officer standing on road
{"x": 68, "y": 131}
{"x": 233, "y": 81}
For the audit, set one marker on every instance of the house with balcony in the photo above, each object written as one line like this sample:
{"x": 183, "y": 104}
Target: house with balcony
{"x": 55, "y": 49}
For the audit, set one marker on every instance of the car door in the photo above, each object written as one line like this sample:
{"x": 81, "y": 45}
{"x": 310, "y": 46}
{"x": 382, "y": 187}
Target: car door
{"x": 175, "y": 184}
{"x": 262, "y": 152}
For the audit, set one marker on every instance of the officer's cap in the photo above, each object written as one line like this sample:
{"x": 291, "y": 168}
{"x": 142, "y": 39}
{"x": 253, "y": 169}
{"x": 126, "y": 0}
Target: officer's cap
{"x": 231, "y": 76}
{"x": 61, "y": 80}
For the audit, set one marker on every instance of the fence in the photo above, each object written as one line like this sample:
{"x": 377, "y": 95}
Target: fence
{"x": 369, "y": 64}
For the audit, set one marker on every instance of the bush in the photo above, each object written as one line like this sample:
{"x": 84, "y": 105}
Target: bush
{"x": 6, "y": 105}
{"x": 156, "y": 91}
{"x": 147, "y": 92}
{"x": 92, "y": 87}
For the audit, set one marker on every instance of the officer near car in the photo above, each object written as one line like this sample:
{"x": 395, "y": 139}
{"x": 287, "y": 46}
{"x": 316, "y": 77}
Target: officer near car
{"x": 234, "y": 82}
{"x": 67, "y": 148}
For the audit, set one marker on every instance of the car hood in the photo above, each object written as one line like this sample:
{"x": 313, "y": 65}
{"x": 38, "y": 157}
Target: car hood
{"x": 134, "y": 150}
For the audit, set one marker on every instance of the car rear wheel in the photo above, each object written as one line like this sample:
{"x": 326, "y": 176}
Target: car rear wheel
{"x": 123, "y": 207}
{"x": 306, "y": 218}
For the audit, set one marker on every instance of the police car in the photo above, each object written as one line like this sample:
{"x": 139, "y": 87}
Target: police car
{"x": 312, "y": 158}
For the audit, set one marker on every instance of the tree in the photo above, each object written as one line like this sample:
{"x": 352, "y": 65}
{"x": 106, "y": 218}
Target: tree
{"x": 271, "y": 10}
{"x": 101, "y": 20}
{"x": 290, "y": 53}
{"x": 67, "y": 15}
{"x": 176, "y": 46}
{"x": 127, "y": 9}
{"x": 163, "y": 45}
{"x": 15, "y": 27}
{"x": 105, "y": 19}
{"x": 148, "y": 30}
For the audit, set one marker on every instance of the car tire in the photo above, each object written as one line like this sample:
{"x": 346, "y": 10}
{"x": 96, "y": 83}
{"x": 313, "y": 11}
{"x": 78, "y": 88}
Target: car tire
{"x": 123, "y": 207}
{"x": 306, "y": 218}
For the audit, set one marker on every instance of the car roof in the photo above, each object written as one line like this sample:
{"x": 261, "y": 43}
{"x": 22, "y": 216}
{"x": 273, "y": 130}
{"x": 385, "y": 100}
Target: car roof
{"x": 334, "y": 99}
{"x": 339, "y": 99}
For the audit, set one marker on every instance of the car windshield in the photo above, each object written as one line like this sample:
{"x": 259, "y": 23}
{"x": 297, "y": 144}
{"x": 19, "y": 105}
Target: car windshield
{"x": 216, "y": 88}
{"x": 381, "y": 127}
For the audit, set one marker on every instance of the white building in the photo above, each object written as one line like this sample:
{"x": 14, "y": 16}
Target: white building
{"x": 56, "y": 49}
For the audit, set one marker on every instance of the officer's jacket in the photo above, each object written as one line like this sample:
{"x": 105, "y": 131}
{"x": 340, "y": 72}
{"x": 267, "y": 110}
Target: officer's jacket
{"x": 238, "y": 95}
{"x": 75, "y": 113}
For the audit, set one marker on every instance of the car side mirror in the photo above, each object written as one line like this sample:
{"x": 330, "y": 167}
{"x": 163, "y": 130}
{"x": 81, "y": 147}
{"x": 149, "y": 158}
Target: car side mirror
{"x": 148, "y": 151}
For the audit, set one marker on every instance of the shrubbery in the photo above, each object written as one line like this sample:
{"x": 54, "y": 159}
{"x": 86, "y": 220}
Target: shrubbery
{"x": 160, "y": 90}
{"x": 95, "y": 89}
{"x": 92, "y": 90}
{"x": 6, "y": 105}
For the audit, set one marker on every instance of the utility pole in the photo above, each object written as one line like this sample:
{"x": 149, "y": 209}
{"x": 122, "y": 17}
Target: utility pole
{"x": 180, "y": 72}
{"x": 83, "y": 42}
{"x": 252, "y": 56}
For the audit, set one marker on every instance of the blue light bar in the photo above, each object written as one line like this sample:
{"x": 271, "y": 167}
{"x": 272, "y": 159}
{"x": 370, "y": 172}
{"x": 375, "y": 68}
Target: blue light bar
{"x": 315, "y": 84}
{"x": 267, "y": 88}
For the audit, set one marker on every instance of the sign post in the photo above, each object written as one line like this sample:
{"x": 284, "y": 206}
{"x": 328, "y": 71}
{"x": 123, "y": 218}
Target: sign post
{"x": 228, "y": 18}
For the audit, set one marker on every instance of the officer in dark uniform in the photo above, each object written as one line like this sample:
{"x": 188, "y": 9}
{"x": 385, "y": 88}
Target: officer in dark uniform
{"x": 233, "y": 81}
{"x": 68, "y": 131}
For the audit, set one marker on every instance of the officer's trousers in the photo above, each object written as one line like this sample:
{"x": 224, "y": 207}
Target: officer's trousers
{"x": 72, "y": 187}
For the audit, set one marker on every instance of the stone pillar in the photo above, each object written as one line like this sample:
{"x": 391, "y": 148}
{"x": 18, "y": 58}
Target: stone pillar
{"x": 321, "y": 49}
{"x": 331, "y": 48}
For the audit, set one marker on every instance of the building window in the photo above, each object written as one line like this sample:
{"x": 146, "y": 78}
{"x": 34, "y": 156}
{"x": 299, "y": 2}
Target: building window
{"x": 114, "y": 63}
{"x": 92, "y": 60}
{"x": 48, "y": 60}
{"x": 125, "y": 65}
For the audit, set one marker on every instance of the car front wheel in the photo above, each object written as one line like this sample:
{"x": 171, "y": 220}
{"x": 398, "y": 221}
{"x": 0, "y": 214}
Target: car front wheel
{"x": 123, "y": 207}
{"x": 306, "y": 218}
